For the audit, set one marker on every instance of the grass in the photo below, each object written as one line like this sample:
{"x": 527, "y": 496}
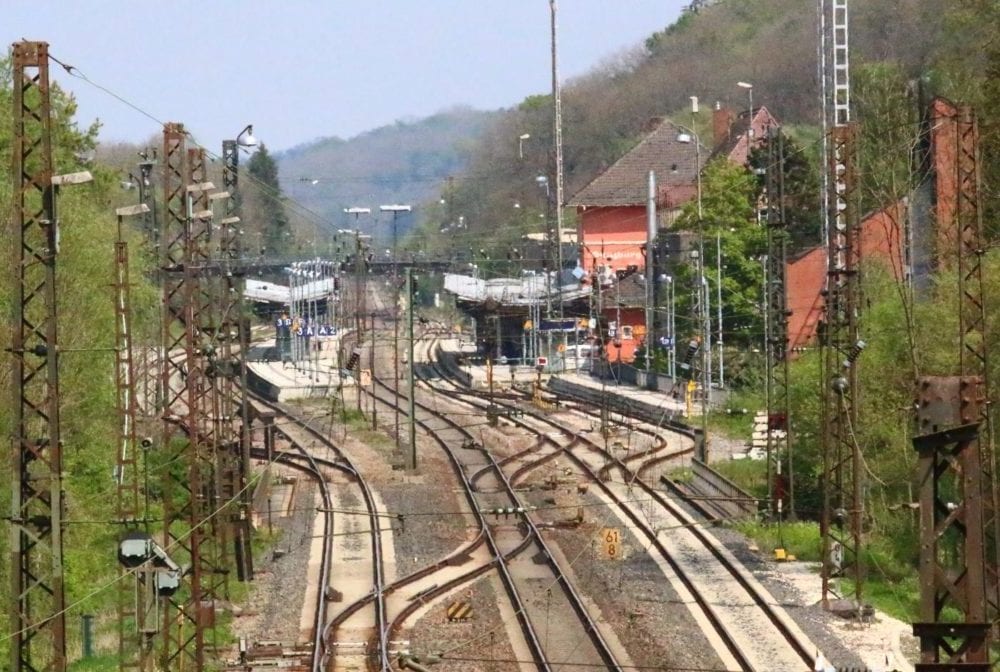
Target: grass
{"x": 800, "y": 539}
{"x": 103, "y": 663}
{"x": 751, "y": 475}
{"x": 891, "y": 586}
{"x": 731, "y": 421}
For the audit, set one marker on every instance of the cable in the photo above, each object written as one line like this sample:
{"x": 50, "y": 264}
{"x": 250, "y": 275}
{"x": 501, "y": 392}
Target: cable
{"x": 664, "y": 668}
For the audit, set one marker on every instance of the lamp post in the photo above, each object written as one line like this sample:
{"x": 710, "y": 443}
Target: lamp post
{"x": 689, "y": 135}
{"x": 749, "y": 87}
{"x": 543, "y": 183}
{"x": 702, "y": 294}
{"x": 520, "y": 144}
{"x": 360, "y": 302}
{"x": 718, "y": 304}
{"x": 395, "y": 210}
{"x": 671, "y": 337}
{"x": 650, "y": 271}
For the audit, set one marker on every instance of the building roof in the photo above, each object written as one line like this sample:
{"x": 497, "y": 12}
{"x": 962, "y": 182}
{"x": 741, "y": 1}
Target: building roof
{"x": 736, "y": 146}
{"x": 626, "y": 182}
{"x": 523, "y": 291}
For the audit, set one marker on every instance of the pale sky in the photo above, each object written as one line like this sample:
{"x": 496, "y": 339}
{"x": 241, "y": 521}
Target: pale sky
{"x": 300, "y": 70}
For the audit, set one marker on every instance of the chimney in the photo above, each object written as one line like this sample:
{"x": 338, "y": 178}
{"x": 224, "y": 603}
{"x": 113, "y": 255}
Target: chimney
{"x": 722, "y": 122}
{"x": 652, "y": 124}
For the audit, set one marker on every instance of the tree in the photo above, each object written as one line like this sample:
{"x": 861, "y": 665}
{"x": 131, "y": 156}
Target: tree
{"x": 264, "y": 209}
{"x": 802, "y": 212}
{"x": 728, "y": 202}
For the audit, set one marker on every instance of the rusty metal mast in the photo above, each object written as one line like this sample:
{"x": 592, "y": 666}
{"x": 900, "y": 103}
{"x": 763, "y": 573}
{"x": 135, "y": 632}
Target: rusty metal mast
{"x": 181, "y": 379}
{"x": 235, "y": 370}
{"x": 208, "y": 516}
{"x": 973, "y": 355}
{"x": 958, "y": 524}
{"x": 840, "y": 524}
{"x": 37, "y": 619}
{"x": 842, "y": 514}
{"x": 959, "y": 538}
{"x": 778, "y": 413}
{"x": 135, "y": 599}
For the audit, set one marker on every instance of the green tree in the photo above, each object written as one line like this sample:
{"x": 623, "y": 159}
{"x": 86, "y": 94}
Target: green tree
{"x": 802, "y": 216}
{"x": 729, "y": 196}
{"x": 86, "y": 333}
{"x": 265, "y": 207}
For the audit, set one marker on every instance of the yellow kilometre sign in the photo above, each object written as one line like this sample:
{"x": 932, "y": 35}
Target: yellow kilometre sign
{"x": 611, "y": 543}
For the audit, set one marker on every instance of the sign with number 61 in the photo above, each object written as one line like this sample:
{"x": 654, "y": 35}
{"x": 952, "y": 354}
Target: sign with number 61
{"x": 611, "y": 543}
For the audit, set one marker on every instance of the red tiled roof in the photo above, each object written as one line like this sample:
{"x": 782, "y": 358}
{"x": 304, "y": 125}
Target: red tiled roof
{"x": 626, "y": 182}
{"x": 734, "y": 147}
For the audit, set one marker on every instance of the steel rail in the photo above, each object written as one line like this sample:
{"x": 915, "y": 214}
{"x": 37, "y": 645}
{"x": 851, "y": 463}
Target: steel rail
{"x": 802, "y": 650}
{"x": 575, "y": 599}
{"x": 378, "y": 569}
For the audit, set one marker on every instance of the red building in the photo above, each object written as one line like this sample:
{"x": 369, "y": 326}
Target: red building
{"x": 931, "y": 221}
{"x": 612, "y": 209}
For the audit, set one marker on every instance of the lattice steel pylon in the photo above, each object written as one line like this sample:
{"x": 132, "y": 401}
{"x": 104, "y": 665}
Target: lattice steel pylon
{"x": 235, "y": 369}
{"x": 215, "y": 442}
{"x": 951, "y": 479}
{"x": 190, "y": 409}
{"x": 843, "y": 503}
{"x": 780, "y": 486}
{"x": 37, "y": 613}
{"x": 973, "y": 354}
{"x": 136, "y": 594}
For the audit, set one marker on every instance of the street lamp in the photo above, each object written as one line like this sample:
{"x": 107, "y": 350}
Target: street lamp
{"x": 543, "y": 183}
{"x": 395, "y": 210}
{"x": 230, "y": 175}
{"x": 360, "y": 300}
{"x": 245, "y": 137}
{"x": 749, "y": 87}
{"x": 520, "y": 144}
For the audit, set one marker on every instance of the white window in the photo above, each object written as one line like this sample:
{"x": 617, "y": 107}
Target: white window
{"x": 627, "y": 332}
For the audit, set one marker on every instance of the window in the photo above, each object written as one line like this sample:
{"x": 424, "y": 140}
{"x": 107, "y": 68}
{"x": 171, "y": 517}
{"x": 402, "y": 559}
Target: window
{"x": 627, "y": 332}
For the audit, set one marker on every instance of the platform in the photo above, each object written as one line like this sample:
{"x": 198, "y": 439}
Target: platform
{"x": 317, "y": 376}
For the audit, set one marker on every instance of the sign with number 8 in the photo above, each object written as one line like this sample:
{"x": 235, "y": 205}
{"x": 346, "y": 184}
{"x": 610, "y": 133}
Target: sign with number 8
{"x": 612, "y": 542}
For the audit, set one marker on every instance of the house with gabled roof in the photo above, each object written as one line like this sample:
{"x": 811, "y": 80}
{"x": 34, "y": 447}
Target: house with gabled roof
{"x": 611, "y": 209}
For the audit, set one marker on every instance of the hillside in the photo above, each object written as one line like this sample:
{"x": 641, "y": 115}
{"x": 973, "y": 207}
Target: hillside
{"x": 771, "y": 43}
{"x": 401, "y": 163}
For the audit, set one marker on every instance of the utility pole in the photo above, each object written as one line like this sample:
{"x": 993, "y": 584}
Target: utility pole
{"x": 843, "y": 502}
{"x": 410, "y": 291}
{"x": 779, "y": 440}
{"x": 718, "y": 305}
{"x": 188, "y": 423}
{"x": 558, "y": 140}
{"x": 238, "y": 446}
{"x": 957, "y": 470}
{"x": 650, "y": 274}
{"x": 371, "y": 366}
{"x": 395, "y": 210}
{"x": 136, "y": 597}
{"x": 38, "y": 602}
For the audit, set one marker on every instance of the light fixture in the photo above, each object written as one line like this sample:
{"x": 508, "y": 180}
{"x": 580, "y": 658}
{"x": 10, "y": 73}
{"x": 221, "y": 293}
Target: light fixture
{"x": 245, "y": 138}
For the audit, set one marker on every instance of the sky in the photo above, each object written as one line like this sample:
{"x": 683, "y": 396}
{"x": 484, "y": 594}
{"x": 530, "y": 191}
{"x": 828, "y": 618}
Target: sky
{"x": 301, "y": 70}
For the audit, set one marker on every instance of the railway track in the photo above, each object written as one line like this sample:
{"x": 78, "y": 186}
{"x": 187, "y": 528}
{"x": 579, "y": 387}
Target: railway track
{"x": 785, "y": 647}
{"x": 494, "y": 491}
{"x": 303, "y": 437}
{"x": 793, "y": 650}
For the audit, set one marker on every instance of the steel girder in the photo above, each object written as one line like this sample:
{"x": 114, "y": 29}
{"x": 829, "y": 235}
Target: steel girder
{"x": 37, "y": 614}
